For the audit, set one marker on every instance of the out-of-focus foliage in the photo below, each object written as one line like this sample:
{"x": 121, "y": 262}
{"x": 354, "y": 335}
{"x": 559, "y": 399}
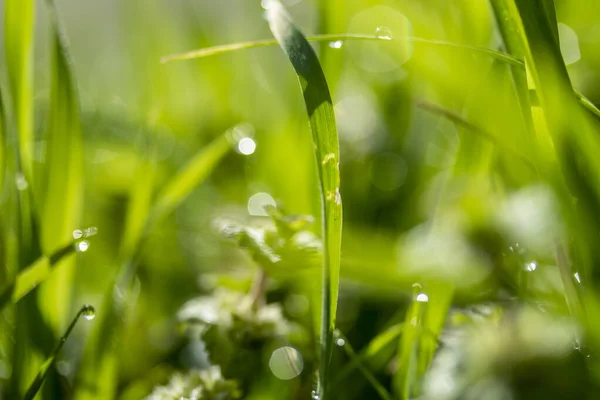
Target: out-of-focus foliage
{"x": 468, "y": 168}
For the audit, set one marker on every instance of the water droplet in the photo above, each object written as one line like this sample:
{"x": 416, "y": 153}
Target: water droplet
{"x": 328, "y": 157}
{"x": 21, "y": 182}
{"x": 88, "y": 312}
{"x": 82, "y": 246}
{"x": 531, "y": 266}
{"x": 422, "y": 298}
{"x": 64, "y": 368}
{"x": 246, "y": 146}
{"x": 257, "y": 203}
{"x": 286, "y": 363}
{"x": 336, "y": 45}
{"x": 91, "y": 231}
{"x": 340, "y": 342}
{"x": 577, "y": 277}
{"x": 417, "y": 286}
{"x": 315, "y": 395}
{"x": 383, "y": 32}
{"x": 77, "y": 234}
{"x": 266, "y": 4}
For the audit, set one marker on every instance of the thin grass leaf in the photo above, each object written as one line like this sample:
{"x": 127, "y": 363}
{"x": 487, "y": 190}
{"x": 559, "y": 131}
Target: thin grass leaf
{"x": 509, "y": 59}
{"x": 19, "y": 43}
{"x": 325, "y": 138}
{"x": 373, "y": 350}
{"x": 423, "y": 324}
{"x": 34, "y": 274}
{"x": 459, "y": 120}
{"x": 2, "y": 149}
{"x": 211, "y": 51}
{"x": 88, "y": 312}
{"x": 188, "y": 178}
{"x": 63, "y": 173}
{"x": 355, "y": 360}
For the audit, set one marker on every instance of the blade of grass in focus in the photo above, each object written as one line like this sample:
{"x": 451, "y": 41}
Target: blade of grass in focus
{"x": 88, "y": 313}
{"x": 324, "y": 132}
{"x": 99, "y": 363}
{"x": 63, "y": 174}
{"x": 34, "y": 274}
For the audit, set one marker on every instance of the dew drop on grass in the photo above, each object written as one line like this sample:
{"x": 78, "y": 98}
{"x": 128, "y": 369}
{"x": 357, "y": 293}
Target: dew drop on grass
{"x": 246, "y": 146}
{"x": 531, "y": 266}
{"x": 82, "y": 246}
{"x": 383, "y": 32}
{"x": 88, "y": 312}
{"x": 577, "y": 277}
{"x": 422, "y": 298}
{"x": 315, "y": 395}
{"x": 340, "y": 342}
{"x": 21, "y": 182}
{"x": 286, "y": 363}
{"x": 77, "y": 234}
{"x": 336, "y": 45}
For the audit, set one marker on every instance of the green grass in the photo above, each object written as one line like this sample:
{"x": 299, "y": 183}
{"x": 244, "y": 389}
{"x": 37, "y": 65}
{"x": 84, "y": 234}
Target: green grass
{"x": 463, "y": 146}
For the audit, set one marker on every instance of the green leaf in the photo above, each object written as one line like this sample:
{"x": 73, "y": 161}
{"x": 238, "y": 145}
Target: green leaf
{"x": 357, "y": 361}
{"x": 19, "y": 43}
{"x": 88, "y": 313}
{"x": 423, "y": 324}
{"x": 322, "y": 123}
{"x": 376, "y": 347}
{"x": 33, "y": 275}
{"x": 63, "y": 174}
{"x": 188, "y": 178}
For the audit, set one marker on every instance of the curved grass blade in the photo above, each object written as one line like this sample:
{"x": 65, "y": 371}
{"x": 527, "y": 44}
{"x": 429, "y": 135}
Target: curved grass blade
{"x": 35, "y": 274}
{"x": 63, "y": 173}
{"x": 88, "y": 312}
{"x": 325, "y": 138}
{"x": 509, "y": 59}
{"x": 375, "y": 347}
{"x": 212, "y": 51}
{"x": 356, "y": 361}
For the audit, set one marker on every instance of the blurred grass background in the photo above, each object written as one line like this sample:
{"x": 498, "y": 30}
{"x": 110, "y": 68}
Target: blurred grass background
{"x": 427, "y": 199}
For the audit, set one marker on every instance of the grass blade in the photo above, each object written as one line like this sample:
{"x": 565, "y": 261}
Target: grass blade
{"x": 188, "y": 178}
{"x": 63, "y": 173}
{"x": 423, "y": 324}
{"x": 19, "y": 43}
{"x": 88, "y": 312}
{"x": 375, "y": 347}
{"x": 356, "y": 361}
{"x": 514, "y": 58}
{"x": 325, "y": 138}
{"x": 34, "y": 274}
